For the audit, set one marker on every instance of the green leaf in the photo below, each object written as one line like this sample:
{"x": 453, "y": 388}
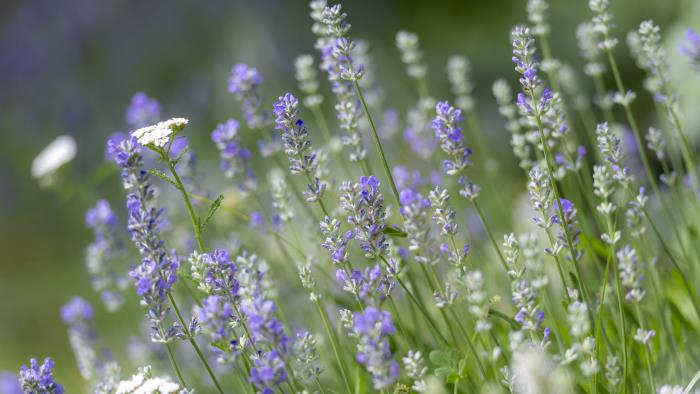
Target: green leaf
{"x": 443, "y": 372}
{"x": 452, "y": 377}
{"x": 394, "y": 232}
{"x": 439, "y": 358}
{"x": 212, "y": 210}
{"x": 163, "y": 176}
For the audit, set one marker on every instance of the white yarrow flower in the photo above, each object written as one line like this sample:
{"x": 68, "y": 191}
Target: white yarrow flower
{"x": 59, "y": 152}
{"x": 144, "y": 383}
{"x": 159, "y": 134}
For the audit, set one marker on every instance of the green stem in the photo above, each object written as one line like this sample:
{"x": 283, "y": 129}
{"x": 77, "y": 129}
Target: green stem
{"x": 490, "y": 234}
{"x": 334, "y": 345}
{"x": 171, "y": 356}
{"x": 190, "y": 338}
{"x": 378, "y": 143}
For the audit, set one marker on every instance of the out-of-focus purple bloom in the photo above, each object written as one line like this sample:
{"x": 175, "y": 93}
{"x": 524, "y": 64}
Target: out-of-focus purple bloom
{"x": 102, "y": 254}
{"x": 142, "y": 111}
{"x": 257, "y": 219}
{"x": 9, "y": 383}
{"x": 38, "y": 379}
{"x": 268, "y": 372}
{"x": 78, "y": 316}
{"x": 234, "y": 156}
{"x": 217, "y": 319}
{"x": 691, "y": 48}
{"x": 373, "y": 327}
{"x": 245, "y": 83}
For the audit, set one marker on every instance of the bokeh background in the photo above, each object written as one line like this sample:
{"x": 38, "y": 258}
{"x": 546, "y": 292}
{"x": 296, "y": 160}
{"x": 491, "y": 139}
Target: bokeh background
{"x": 71, "y": 67}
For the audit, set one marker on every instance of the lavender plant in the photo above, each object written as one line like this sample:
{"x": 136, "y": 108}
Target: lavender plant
{"x": 411, "y": 293}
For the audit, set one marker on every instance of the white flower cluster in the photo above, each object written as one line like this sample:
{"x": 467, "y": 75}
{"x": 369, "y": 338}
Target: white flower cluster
{"x": 144, "y": 383}
{"x": 159, "y": 134}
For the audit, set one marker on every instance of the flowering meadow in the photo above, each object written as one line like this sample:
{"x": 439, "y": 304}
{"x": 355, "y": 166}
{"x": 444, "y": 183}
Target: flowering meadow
{"x": 335, "y": 244}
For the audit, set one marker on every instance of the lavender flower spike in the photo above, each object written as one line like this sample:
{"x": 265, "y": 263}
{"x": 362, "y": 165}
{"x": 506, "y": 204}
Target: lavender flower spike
{"x": 373, "y": 327}
{"x": 244, "y": 84}
{"x": 157, "y": 272}
{"x": 449, "y": 132}
{"x": 38, "y": 379}
{"x": 234, "y": 156}
{"x": 102, "y": 253}
{"x": 78, "y": 315}
{"x": 364, "y": 204}
{"x": 297, "y": 144}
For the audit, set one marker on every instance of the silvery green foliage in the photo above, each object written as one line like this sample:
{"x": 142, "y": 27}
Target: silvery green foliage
{"x": 656, "y": 142}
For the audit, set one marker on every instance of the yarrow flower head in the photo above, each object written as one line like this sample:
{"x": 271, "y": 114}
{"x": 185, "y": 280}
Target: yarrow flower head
{"x": 297, "y": 144}
{"x": 449, "y": 132}
{"x": 142, "y": 111}
{"x": 159, "y": 134}
{"x": 373, "y": 327}
{"x": 144, "y": 382}
{"x": 38, "y": 379}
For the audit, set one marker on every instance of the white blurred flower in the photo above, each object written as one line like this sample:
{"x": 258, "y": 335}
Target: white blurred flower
{"x": 59, "y": 152}
{"x": 535, "y": 373}
{"x": 159, "y": 134}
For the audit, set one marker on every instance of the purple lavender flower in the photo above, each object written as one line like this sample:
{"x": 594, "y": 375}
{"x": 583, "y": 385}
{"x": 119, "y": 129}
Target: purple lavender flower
{"x": 102, "y": 253}
{"x": 157, "y": 272}
{"x": 38, "y": 379}
{"x": 449, "y": 132}
{"x": 245, "y": 83}
{"x": 373, "y": 327}
{"x": 364, "y": 204}
{"x": 297, "y": 145}
{"x": 142, "y": 111}
{"x": 217, "y": 319}
{"x": 78, "y": 315}
{"x": 335, "y": 243}
{"x": 691, "y": 48}
{"x": 234, "y": 156}
{"x": 371, "y": 286}
{"x": 570, "y": 219}
{"x": 268, "y": 372}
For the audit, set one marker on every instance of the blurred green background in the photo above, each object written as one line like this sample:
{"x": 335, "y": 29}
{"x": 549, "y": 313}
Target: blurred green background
{"x": 71, "y": 67}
